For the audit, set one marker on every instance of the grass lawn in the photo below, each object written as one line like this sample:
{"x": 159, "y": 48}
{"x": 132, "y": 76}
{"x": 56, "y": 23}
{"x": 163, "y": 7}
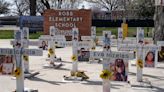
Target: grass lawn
{"x": 6, "y": 34}
{"x": 131, "y": 31}
{"x": 35, "y": 35}
{"x": 9, "y": 34}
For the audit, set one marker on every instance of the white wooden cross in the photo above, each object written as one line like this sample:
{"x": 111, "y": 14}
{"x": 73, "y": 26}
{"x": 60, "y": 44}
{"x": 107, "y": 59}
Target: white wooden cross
{"x": 75, "y": 46}
{"x": 141, "y": 50}
{"x": 131, "y": 40}
{"x": 141, "y": 54}
{"x": 92, "y": 39}
{"x": 18, "y": 53}
{"x": 52, "y": 39}
{"x": 100, "y": 41}
{"x": 120, "y": 39}
{"x": 26, "y": 43}
{"x": 25, "y": 39}
{"x": 108, "y": 57}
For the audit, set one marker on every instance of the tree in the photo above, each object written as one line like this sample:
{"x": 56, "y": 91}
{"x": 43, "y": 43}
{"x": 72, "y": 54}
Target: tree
{"x": 32, "y": 7}
{"x": 56, "y": 4}
{"x": 145, "y": 8}
{"x": 46, "y": 3}
{"x": 113, "y": 6}
{"x": 4, "y": 7}
{"x": 71, "y": 4}
{"x": 60, "y": 4}
{"x": 159, "y": 24}
{"x": 22, "y": 7}
{"x": 109, "y": 5}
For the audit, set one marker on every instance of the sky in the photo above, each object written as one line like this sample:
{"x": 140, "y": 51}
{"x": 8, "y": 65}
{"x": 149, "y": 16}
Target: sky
{"x": 13, "y": 7}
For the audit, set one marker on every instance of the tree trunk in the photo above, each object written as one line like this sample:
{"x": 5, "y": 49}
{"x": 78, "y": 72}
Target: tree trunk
{"x": 46, "y": 4}
{"x": 159, "y": 24}
{"x": 33, "y": 7}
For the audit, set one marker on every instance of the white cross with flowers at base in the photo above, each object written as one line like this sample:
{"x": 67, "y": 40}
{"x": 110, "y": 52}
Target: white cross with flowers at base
{"x": 18, "y": 53}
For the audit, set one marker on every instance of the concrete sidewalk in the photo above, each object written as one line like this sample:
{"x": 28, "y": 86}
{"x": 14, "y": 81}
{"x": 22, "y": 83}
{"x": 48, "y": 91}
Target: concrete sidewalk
{"x": 51, "y": 80}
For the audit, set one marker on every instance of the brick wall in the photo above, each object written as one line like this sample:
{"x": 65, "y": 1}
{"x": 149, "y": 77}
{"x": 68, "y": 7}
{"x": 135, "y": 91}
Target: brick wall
{"x": 51, "y": 18}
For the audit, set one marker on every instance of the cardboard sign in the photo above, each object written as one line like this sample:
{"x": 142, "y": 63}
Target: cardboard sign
{"x": 6, "y": 65}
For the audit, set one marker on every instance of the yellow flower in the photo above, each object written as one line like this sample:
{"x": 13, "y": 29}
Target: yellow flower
{"x": 93, "y": 48}
{"x": 73, "y": 73}
{"x": 74, "y": 58}
{"x": 161, "y": 54}
{"x": 25, "y": 57}
{"x": 106, "y": 74}
{"x": 50, "y": 51}
{"x": 80, "y": 74}
{"x": 97, "y": 40}
{"x": 140, "y": 63}
{"x": 17, "y": 72}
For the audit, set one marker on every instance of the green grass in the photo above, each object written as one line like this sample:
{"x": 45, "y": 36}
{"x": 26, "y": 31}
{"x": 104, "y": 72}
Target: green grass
{"x": 9, "y": 34}
{"x": 35, "y": 35}
{"x": 131, "y": 31}
{"x": 6, "y": 34}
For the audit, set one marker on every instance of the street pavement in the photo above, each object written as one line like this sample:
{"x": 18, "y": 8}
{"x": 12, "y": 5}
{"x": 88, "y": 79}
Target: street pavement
{"x": 51, "y": 80}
